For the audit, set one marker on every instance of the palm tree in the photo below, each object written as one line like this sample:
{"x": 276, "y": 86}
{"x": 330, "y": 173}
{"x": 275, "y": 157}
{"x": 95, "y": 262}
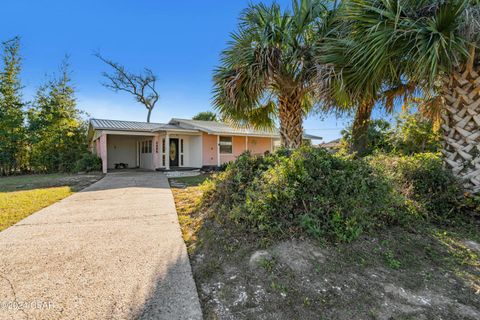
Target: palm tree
{"x": 205, "y": 116}
{"x": 431, "y": 43}
{"x": 269, "y": 70}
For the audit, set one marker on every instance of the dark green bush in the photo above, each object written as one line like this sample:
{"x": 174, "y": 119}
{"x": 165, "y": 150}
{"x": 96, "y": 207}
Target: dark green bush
{"x": 323, "y": 194}
{"x": 88, "y": 162}
{"x": 305, "y": 190}
{"x": 310, "y": 191}
{"x": 431, "y": 191}
{"x": 229, "y": 187}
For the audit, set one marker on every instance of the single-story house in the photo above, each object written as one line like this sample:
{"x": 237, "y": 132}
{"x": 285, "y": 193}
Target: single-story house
{"x": 178, "y": 144}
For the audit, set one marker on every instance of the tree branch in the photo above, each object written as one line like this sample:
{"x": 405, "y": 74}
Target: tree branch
{"x": 141, "y": 86}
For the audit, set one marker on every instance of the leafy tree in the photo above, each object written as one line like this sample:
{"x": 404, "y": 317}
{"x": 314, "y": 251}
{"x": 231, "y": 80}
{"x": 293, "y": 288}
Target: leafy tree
{"x": 12, "y": 135}
{"x": 269, "y": 70}
{"x": 431, "y": 43}
{"x": 377, "y": 137}
{"x": 57, "y": 132}
{"x": 412, "y": 133}
{"x": 415, "y": 134}
{"x": 205, "y": 116}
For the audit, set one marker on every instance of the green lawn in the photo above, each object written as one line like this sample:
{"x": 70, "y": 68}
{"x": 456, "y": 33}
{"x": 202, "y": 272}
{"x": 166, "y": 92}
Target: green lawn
{"x": 20, "y": 196}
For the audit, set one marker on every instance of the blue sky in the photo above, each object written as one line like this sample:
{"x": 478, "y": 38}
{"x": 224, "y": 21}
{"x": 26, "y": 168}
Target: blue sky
{"x": 179, "y": 40}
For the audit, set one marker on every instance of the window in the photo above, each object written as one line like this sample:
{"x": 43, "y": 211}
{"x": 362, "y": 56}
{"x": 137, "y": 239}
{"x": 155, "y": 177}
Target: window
{"x": 226, "y": 146}
{"x": 164, "y": 149}
{"x": 146, "y": 146}
{"x": 181, "y": 153}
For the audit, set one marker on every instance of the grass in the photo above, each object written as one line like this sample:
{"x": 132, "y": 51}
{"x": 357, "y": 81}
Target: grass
{"x": 20, "y": 196}
{"x": 17, "y": 205}
{"x": 375, "y": 276}
{"x": 16, "y": 183}
{"x": 187, "y": 192}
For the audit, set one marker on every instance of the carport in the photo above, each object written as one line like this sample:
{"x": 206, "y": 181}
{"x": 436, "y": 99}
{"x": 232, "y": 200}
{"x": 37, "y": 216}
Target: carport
{"x": 130, "y": 151}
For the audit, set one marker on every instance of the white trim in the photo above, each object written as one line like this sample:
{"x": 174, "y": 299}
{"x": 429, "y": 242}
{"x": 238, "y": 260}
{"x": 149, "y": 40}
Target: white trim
{"x": 201, "y": 149}
{"x": 167, "y": 151}
{"x": 130, "y": 133}
{"x": 181, "y": 152}
{"x": 180, "y": 131}
{"x": 218, "y": 150}
{"x": 223, "y": 153}
{"x": 163, "y": 158}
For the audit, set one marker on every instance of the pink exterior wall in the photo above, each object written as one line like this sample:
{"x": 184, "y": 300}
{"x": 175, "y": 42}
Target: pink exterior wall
{"x": 210, "y": 149}
{"x": 258, "y": 146}
{"x": 239, "y": 147}
{"x": 97, "y": 147}
{"x": 103, "y": 151}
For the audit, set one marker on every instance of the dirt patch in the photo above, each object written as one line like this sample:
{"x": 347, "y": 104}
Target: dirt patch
{"x": 425, "y": 273}
{"x": 305, "y": 280}
{"x": 29, "y": 182}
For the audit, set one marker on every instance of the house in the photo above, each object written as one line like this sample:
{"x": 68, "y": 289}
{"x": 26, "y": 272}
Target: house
{"x": 332, "y": 146}
{"x": 178, "y": 144}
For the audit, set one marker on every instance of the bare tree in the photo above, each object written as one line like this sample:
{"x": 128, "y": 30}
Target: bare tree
{"x": 141, "y": 86}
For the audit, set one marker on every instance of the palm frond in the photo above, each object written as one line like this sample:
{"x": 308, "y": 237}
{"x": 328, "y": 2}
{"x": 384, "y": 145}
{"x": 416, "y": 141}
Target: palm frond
{"x": 272, "y": 53}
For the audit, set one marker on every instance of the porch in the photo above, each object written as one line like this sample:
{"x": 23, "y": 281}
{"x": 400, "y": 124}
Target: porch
{"x": 148, "y": 151}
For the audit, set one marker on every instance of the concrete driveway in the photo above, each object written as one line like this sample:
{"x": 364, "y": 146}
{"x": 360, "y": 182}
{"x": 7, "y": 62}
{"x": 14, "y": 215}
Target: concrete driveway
{"x": 112, "y": 251}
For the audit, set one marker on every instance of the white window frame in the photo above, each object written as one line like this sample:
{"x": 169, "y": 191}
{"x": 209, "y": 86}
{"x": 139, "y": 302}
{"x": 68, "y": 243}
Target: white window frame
{"x": 164, "y": 150}
{"x": 220, "y": 145}
{"x": 181, "y": 152}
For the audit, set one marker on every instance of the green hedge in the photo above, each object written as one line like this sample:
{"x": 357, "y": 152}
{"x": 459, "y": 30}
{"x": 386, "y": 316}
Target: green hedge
{"x": 430, "y": 191}
{"x": 310, "y": 191}
{"x": 88, "y": 162}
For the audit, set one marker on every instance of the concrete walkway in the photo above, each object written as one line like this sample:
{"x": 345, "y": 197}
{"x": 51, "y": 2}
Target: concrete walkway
{"x": 112, "y": 251}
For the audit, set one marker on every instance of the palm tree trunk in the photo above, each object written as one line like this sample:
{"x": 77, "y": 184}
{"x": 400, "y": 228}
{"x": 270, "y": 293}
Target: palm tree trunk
{"x": 291, "y": 120}
{"x": 461, "y": 125}
{"x": 360, "y": 128}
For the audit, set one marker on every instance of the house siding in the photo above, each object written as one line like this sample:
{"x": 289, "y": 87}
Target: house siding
{"x": 103, "y": 151}
{"x": 122, "y": 149}
{"x": 256, "y": 145}
{"x": 238, "y": 147}
{"x": 259, "y": 146}
{"x": 210, "y": 150}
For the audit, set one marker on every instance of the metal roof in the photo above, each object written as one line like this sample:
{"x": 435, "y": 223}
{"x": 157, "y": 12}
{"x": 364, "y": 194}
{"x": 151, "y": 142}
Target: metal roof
{"x": 185, "y": 125}
{"x": 221, "y": 127}
{"x": 225, "y": 128}
{"x": 103, "y": 124}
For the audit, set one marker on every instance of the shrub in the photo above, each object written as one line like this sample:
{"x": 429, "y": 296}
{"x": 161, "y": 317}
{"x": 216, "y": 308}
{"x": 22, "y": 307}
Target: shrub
{"x": 230, "y": 185}
{"x": 304, "y": 190}
{"x": 88, "y": 162}
{"x": 411, "y": 134}
{"x": 433, "y": 192}
{"x": 414, "y": 134}
{"x": 378, "y": 137}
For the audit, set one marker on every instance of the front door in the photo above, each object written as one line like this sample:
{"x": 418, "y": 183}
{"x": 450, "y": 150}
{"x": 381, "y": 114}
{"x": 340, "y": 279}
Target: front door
{"x": 173, "y": 153}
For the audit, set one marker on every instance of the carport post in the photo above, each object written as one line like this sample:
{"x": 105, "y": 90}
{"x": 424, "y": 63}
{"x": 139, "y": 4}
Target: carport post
{"x": 103, "y": 152}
